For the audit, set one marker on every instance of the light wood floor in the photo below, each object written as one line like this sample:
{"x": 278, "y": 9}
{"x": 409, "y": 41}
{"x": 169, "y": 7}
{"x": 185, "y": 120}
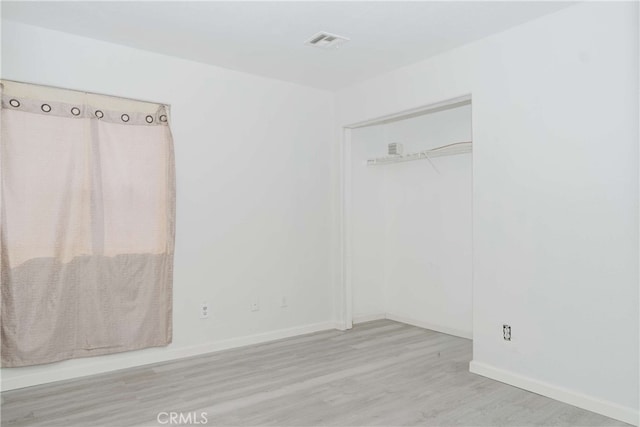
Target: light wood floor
{"x": 379, "y": 373}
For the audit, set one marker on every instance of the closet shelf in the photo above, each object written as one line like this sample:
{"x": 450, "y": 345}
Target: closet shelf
{"x": 445, "y": 150}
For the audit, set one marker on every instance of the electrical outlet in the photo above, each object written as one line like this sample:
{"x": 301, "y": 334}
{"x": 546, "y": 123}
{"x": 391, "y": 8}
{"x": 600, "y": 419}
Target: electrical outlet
{"x": 204, "y": 310}
{"x": 506, "y": 332}
{"x": 283, "y": 302}
{"x": 255, "y": 306}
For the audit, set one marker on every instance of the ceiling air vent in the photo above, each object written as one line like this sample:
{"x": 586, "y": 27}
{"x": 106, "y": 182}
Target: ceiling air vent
{"x": 326, "y": 40}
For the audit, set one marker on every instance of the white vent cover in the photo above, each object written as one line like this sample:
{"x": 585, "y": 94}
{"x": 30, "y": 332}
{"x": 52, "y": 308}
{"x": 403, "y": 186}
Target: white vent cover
{"x": 326, "y": 40}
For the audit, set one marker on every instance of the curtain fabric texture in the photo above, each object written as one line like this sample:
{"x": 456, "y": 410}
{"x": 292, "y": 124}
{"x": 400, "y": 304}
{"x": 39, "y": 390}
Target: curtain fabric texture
{"x": 86, "y": 225}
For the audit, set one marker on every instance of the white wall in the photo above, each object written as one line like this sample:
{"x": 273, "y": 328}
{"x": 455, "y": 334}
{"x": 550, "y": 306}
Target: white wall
{"x": 428, "y": 241}
{"x": 253, "y": 191}
{"x": 555, "y": 211}
{"x": 411, "y": 224}
{"x": 368, "y": 223}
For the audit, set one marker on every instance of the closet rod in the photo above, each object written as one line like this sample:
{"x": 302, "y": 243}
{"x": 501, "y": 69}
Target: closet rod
{"x": 445, "y": 150}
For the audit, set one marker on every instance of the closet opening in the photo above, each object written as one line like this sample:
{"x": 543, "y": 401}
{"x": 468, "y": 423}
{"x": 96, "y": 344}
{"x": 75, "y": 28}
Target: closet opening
{"x": 407, "y": 218}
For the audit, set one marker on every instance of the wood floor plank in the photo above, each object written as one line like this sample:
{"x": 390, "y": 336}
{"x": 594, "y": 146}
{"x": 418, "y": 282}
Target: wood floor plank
{"x": 379, "y": 373}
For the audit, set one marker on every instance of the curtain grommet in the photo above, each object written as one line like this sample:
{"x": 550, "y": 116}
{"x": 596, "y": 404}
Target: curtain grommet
{"x": 14, "y": 103}
{"x": 149, "y": 119}
{"x": 163, "y": 118}
{"x": 124, "y": 117}
{"x": 75, "y": 111}
{"x": 46, "y": 108}
{"x": 99, "y": 114}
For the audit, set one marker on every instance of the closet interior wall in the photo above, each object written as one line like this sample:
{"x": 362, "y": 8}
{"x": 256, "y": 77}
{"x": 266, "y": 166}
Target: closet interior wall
{"x": 411, "y": 224}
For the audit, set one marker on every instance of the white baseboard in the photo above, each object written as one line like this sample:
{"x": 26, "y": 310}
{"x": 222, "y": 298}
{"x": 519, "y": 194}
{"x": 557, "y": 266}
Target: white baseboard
{"x": 341, "y": 326}
{"x": 603, "y": 407}
{"x": 431, "y": 326}
{"x": 148, "y": 356}
{"x": 368, "y": 317}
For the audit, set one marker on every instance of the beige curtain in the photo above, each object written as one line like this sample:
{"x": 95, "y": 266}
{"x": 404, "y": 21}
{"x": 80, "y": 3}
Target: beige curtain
{"x": 87, "y": 224}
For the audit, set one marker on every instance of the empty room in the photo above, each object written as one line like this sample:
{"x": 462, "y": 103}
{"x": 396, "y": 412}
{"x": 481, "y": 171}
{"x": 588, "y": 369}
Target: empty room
{"x": 319, "y": 213}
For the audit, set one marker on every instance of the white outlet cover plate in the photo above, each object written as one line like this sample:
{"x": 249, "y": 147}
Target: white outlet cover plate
{"x": 205, "y": 310}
